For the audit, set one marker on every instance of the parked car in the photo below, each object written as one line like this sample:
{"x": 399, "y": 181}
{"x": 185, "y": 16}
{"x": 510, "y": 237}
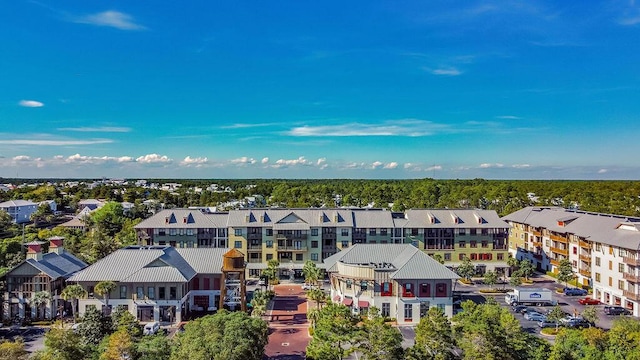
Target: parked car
{"x": 575, "y": 292}
{"x": 75, "y": 327}
{"x": 616, "y": 310}
{"x": 307, "y": 286}
{"x": 520, "y": 309}
{"x": 534, "y": 316}
{"x": 547, "y": 323}
{"x": 151, "y": 328}
{"x": 589, "y": 301}
{"x": 261, "y": 282}
{"x": 577, "y": 323}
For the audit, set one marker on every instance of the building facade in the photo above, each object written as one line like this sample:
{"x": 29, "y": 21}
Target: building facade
{"x": 603, "y": 249}
{"x": 156, "y": 283}
{"x": 293, "y": 236}
{"x": 399, "y": 279}
{"x": 39, "y": 273}
{"x": 19, "y": 210}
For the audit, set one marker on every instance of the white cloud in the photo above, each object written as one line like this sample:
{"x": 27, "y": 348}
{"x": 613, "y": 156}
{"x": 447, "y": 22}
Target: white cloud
{"x": 281, "y": 163}
{"x": 376, "y": 164}
{"x": 520, "y": 166}
{"x": 488, "y": 165}
{"x": 391, "y": 165}
{"x": 448, "y": 71}
{"x": 55, "y": 142}
{"x": 111, "y": 18}
{"x": 197, "y": 161}
{"x": 401, "y": 127}
{"x": 97, "y": 129}
{"x": 433, "y": 168}
{"x": 153, "y": 158}
{"x": 602, "y": 171}
{"x": 30, "y": 103}
{"x": 21, "y": 158}
{"x": 77, "y": 158}
{"x": 244, "y": 161}
{"x": 508, "y": 117}
{"x": 245, "y": 126}
{"x": 265, "y": 160}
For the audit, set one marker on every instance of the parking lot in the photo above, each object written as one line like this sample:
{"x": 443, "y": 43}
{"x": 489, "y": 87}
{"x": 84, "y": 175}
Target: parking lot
{"x": 33, "y": 337}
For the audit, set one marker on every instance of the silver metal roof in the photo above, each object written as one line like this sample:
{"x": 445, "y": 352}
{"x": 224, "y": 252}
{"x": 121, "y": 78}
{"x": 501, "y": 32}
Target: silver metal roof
{"x": 184, "y": 219}
{"x": 204, "y": 260}
{"x": 372, "y": 218}
{"x": 453, "y": 218}
{"x": 616, "y": 230}
{"x": 409, "y": 261}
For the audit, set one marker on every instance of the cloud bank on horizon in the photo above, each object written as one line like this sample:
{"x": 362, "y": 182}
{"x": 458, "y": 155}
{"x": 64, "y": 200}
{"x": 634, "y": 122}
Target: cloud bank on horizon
{"x": 468, "y": 89}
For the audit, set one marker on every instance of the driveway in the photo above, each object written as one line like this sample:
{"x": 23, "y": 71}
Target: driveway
{"x": 288, "y": 327}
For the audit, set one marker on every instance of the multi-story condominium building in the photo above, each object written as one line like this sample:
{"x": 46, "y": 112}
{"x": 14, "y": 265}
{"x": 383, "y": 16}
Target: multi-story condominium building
{"x": 39, "y": 272}
{"x": 156, "y": 283}
{"x": 399, "y": 279}
{"x": 293, "y": 236}
{"x": 184, "y": 228}
{"x": 19, "y": 210}
{"x": 603, "y": 249}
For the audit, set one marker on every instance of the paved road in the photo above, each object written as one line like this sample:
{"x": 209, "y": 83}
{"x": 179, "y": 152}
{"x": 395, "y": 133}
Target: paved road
{"x": 288, "y": 327}
{"x": 33, "y": 337}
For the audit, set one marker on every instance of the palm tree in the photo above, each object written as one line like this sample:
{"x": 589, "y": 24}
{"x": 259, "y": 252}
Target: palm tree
{"x": 317, "y": 295}
{"x": 38, "y": 299}
{"x": 72, "y": 293}
{"x": 104, "y": 288}
{"x": 311, "y": 272}
{"x": 313, "y": 315}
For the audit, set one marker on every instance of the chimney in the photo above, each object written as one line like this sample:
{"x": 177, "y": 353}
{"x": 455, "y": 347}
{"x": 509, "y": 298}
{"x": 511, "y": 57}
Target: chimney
{"x": 55, "y": 245}
{"x": 34, "y": 251}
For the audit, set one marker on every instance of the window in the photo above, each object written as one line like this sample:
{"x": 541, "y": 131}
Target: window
{"x": 610, "y": 281}
{"x": 345, "y": 232}
{"x": 597, "y": 261}
{"x": 161, "y": 292}
{"x": 237, "y": 232}
{"x": 386, "y": 289}
{"x": 173, "y": 293}
{"x": 151, "y": 292}
{"x": 349, "y": 283}
{"x": 314, "y": 257}
{"x": 425, "y": 290}
{"x": 407, "y": 290}
{"x": 269, "y": 232}
{"x": 597, "y": 277}
{"x": 500, "y": 256}
{"x": 485, "y": 244}
{"x": 462, "y": 244}
{"x": 575, "y": 250}
{"x": 237, "y": 244}
{"x": 372, "y": 232}
{"x": 386, "y": 309}
{"x": 474, "y": 256}
{"x": 269, "y": 243}
{"x": 298, "y": 257}
{"x": 189, "y": 232}
{"x": 314, "y": 244}
{"x": 622, "y": 252}
{"x": 473, "y": 231}
{"x": 610, "y": 250}
{"x": 460, "y": 257}
{"x": 610, "y": 265}
{"x": 441, "y": 290}
{"x": 314, "y": 232}
{"x": 472, "y": 244}
{"x": 621, "y": 284}
{"x": 462, "y": 231}
{"x": 414, "y": 231}
{"x": 598, "y": 247}
{"x": 621, "y": 267}
{"x": 140, "y": 292}
{"x": 172, "y": 232}
{"x": 408, "y": 311}
{"x": 345, "y": 244}
{"x": 383, "y": 232}
{"x": 269, "y": 257}
{"x": 123, "y": 291}
{"x": 364, "y": 285}
{"x": 447, "y": 256}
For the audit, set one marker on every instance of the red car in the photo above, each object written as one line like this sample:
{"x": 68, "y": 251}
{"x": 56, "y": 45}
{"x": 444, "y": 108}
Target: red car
{"x": 589, "y": 301}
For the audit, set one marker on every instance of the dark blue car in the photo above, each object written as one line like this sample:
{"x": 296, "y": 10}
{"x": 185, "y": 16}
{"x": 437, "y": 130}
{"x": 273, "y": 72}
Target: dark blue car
{"x": 575, "y": 292}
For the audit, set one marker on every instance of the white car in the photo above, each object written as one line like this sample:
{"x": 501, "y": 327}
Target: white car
{"x": 151, "y": 328}
{"x": 307, "y": 286}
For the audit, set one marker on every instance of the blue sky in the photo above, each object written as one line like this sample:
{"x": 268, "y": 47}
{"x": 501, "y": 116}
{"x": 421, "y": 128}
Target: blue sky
{"x": 293, "y": 89}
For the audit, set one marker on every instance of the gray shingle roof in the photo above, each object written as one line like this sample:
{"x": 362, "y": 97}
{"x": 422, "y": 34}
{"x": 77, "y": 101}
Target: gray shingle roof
{"x": 601, "y": 228}
{"x": 453, "y": 218}
{"x": 183, "y": 219}
{"x": 56, "y": 266}
{"x": 409, "y": 261}
{"x": 269, "y": 217}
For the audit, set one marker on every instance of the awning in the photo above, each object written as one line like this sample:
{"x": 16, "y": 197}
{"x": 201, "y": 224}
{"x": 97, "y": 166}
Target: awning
{"x": 336, "y": 298}
{"x": 363, "y": 304}
{"x": 347, "y": 301}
